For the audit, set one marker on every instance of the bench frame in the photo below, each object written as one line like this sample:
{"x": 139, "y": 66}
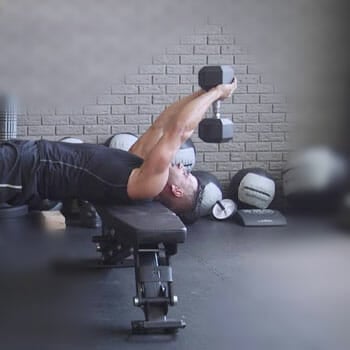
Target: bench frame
{"x": 153, "y": 273}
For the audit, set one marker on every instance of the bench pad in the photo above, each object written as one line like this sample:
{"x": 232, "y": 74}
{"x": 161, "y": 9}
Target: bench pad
{"x": 145, "y": 223}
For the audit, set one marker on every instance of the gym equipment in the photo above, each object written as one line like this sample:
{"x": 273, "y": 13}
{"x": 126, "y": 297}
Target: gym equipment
{"x": 215, "y": 129}
{"x": 252, "y": 188}
{"x": 8, "y": 117}
{"x": 186, "y": 155}
{"x": 71, "y": 140}
{"x": 260, "y": 217}
{"x": 122, "y": 141}
{"x": 224, "y": 209}
{"x": 127, "y": 231}
{"x": 315, "y": 179}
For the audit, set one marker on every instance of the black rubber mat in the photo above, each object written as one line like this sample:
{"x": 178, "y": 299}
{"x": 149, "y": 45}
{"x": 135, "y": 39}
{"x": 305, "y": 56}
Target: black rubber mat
{"x": 239, "y": 288}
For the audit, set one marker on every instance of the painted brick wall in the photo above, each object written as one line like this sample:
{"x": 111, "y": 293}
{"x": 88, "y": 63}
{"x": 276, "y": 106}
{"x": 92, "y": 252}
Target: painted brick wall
{"x": 258, "y": 111}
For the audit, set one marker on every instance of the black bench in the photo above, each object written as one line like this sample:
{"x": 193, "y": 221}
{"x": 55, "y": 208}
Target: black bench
{"x": 144, "y": 236}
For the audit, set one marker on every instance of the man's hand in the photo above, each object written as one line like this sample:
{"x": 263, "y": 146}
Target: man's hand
{"x": 226, "y": 90}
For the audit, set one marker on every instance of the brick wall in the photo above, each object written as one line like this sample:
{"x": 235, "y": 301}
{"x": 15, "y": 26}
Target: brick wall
{"x": 258, "y": 111}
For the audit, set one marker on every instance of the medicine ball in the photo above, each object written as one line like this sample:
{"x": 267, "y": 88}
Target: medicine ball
{"x": 71, "y": 140}
{"x": 122, "y": 141}
{"x": 252, "y": 188}
{"x": 186, "y": 155}
{"x": 212, "y": 191}
{"x": 315, "y": 178}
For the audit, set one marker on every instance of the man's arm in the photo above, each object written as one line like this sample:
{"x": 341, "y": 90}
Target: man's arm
{"x": 149, "y": 180}
{"x": 150, "y": 138}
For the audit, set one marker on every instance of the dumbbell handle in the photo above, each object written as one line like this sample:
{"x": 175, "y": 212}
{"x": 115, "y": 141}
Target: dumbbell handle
{"x": 216, "y": 109}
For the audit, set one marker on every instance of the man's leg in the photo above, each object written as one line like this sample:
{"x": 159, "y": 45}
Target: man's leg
{"x": 150, "y": 138}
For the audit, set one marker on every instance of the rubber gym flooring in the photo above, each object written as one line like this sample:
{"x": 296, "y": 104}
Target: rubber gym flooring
{"x": 239, "y": 288}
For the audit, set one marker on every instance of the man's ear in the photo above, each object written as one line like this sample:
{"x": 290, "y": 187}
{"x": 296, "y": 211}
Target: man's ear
{"x": 177, "y": 191}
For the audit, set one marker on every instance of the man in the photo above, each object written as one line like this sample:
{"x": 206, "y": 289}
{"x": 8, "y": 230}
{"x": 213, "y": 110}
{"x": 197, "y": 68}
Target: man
{"x": 34, "y": 170}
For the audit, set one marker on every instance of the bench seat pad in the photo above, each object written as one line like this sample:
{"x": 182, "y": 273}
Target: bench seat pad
{"x": 145, "y": 223}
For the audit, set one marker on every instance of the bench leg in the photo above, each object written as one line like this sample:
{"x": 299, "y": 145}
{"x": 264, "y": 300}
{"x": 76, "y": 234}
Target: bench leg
{"x": 154, "y": 291}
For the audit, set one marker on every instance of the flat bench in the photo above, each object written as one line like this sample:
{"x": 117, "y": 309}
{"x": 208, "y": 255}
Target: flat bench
{"x": 144, "y": 236}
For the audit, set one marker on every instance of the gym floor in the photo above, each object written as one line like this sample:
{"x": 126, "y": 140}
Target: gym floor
{"x": 239, "y": 288}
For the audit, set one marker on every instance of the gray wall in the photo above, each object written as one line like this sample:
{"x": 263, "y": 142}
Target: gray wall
{"x": 131, "y": 103}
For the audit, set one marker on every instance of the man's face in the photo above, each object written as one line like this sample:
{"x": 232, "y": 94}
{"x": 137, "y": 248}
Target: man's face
{"x": 182, "y": 178}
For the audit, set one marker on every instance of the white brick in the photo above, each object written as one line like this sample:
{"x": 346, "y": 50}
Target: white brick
{"x": 259, "y": 108}
{"x": 125, "y": 89}
{"x": 246, "y": 137}
{"x": 280, "y": 146}
{"x": 272, "y": 98}
{"x": 165, "y": 99}
{"x": 27, "y": 120}
{"x": 280, "y": 108}
{"x": 68, "y": 130}
{"x": 243, "y": 156}
{"x": 207, "y": 49}
{"x": 110, "y": 119}
{"x": 179, "y": 69}
{"x": 39, "y": 130}
{"x": 54, "y": 120}
{"x": 229, "y": 166}
{"x": 240, "y": 69}
{"x": 246, "y": 98}
{"x": 272, "y": 117}
{"x": 271, "y": 137}
{"x": 248, "y": 79}
{"x": 151, "y": 109}
{"x": 138, "y": 99}
{"x": 95, "y": 109}
{"x": 124, "y": 128}
{"x": 220, "y": 59}
{"x": 83, "y": 119}
{"x": 193, "y": 59}
{"x": 258, "y": 127}
{"x": 138, "y": 119}
{"x": 232, "y": 146}
{"x": 246, "y": 118}
{"x": 97, "y": 129}
{"x": 166, "y": 59}
{"x": 216, "y": 156}
{"x": 258, "y": 146}
{"x": 189, "y": 79}
{"x": 260, "y": 88}
{"x": 166, "y": 79}
{"x": 124, "y": 109}
{"x": 179, "y": 89}
{"x": 232, "y": 49}
{"x": 180, "y": 49}
{"x": 263, "y": 156}
{"x": 138, "y": 79}
{"x": 152, "y": 89}
{"x": 233, "y": 108}
{"x": 220, "y": 39}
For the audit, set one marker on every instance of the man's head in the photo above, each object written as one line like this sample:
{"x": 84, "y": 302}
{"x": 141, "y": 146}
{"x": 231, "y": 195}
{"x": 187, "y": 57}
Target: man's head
{"x": 190, "y": 196}
{"x": 180, "y": 192}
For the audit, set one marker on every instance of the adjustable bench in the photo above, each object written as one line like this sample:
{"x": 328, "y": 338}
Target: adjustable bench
{"x": 144, "y": 236}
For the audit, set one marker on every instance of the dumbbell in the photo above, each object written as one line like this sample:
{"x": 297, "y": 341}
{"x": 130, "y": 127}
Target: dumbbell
{"x": 215, "y": 129}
